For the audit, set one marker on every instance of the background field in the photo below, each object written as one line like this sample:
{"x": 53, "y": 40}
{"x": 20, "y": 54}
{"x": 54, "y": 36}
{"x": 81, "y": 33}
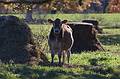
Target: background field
{"x": 84, "y": 65}
{"x": 109, "y": 20}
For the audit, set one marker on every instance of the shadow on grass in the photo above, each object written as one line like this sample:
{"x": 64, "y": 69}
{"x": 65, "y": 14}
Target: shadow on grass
{"x": 115, "y": 27}
{"x": 110, "y": 39}
{"x": 46, "y": 72}
{"x": 93, "y": 76}
{"x": 100, "y": 71}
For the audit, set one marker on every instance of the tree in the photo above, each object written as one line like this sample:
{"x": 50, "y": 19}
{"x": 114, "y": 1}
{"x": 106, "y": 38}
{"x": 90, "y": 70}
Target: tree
{"x": 29, "y": 12}
{"x": 27, "y": 5}
{"x": 114, "y": 6}
{"x": 80, "y": 2}
{"x": 104, "y": 4}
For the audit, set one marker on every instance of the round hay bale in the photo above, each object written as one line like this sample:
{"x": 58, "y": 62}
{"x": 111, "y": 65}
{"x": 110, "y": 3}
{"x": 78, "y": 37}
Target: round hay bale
{"x": 16, "y": 41}
{"x": 85, "y": 38}
{"x": 95, "y": 23}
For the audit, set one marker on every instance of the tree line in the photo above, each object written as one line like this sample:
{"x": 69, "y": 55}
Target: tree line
{"x": 58, "y": 6}
{"x": 62, "y": 6}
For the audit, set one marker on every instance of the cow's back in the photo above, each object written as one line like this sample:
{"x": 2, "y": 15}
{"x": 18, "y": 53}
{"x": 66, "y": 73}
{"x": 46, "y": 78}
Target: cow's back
{"x": 67, "y": 39}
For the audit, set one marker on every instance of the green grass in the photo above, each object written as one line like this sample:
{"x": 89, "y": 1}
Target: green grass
{"x": 92, "y": 65}
{"x": 112, "y": 20}
{"x": 86, "y": 65}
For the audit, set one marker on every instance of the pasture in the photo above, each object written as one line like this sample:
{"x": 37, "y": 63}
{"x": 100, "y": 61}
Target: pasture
{"x": 84, "y": 65}
{"x": 106, "y": 19}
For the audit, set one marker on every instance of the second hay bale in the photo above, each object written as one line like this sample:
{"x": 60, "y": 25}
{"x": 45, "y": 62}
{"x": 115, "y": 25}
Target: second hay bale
{"x": 95, "y": 24}
{"x": 85, "y": 37}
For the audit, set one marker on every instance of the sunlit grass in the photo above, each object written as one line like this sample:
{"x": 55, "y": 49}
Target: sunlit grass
{"x": 86, "y": 65}
{"x": 104, "y": 19}
{"x": 112, "y": 31}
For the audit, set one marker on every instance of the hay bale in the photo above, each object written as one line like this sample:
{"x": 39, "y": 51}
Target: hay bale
{"x": 85, "y": 38}
{"x": 16, "y": 41}
{"x": 95, "y": 23}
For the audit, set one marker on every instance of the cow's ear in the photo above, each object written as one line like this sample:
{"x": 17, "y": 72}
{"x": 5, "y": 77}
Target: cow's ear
{"x": 64, "y": 21}
{"x": 50, "y": 20}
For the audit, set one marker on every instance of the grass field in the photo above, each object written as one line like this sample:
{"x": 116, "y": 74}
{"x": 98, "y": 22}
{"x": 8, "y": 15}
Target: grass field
{"x": 86, "y": 65}
{"x": 104, "y": 19}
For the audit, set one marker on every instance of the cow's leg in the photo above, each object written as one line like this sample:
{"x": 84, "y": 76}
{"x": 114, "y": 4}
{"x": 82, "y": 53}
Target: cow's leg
{"x": 52, "y": 56}
{"x": 59, "y": 56}
{"x": 68, "y": 55}
{"x": 63, "y": 57}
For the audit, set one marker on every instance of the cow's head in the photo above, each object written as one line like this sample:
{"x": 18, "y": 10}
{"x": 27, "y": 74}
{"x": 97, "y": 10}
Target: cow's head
{"x": 57, "y": 23}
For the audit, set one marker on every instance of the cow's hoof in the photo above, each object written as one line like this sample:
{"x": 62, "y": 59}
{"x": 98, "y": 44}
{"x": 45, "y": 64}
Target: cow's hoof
{"x": 52, "y": 63}
{"x": 63, "y": 63}
{"x": 60, "y": 64}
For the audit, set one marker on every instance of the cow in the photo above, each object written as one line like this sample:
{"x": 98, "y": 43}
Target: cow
{"x": 60, "y": 40}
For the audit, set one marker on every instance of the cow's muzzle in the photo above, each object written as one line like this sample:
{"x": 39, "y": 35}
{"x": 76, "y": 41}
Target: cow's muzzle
{"x": 56, "y": 31}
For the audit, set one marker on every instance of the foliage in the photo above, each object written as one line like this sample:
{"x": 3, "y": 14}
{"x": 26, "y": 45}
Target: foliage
{"x": 114, "y": 6}
{"x": 40, "y": 33}
{"x": 19, "y": 6}
{"x": 65, "y": 6}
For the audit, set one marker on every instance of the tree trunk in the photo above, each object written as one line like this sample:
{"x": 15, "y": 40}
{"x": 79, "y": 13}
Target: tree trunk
{"x": 29, "y": 12}
{"x": 104, "y": 5}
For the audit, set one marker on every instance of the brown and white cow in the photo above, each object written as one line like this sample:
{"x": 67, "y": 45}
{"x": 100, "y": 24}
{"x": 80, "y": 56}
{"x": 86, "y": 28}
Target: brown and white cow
{"x": 60, "y": 40}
